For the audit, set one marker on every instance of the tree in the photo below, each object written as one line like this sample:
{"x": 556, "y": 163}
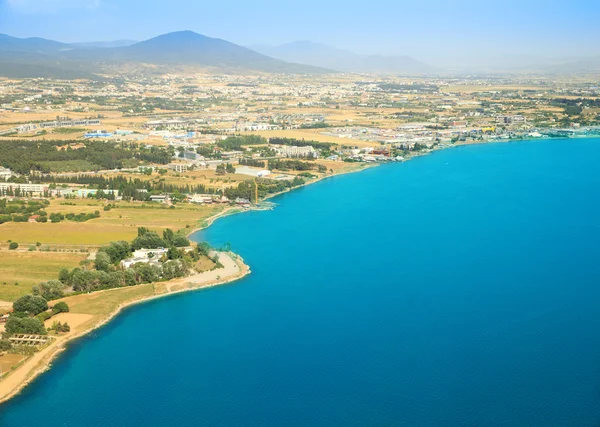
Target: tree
{"x": 50, "y": 290}
{"x": 147, "y": 273}
{"x": 60, "y": 307}
{"x": 142, "y": 231}
{"x": 27, "y": 325}
{"x": 174, "y": 253}
{"x": 180, "y": 241}
{"x": 103, "y": 261}
{"x": 149, "y": 240}
{"x": 13, "y": 246}
{"x": 168, "y": 235}
{"x": 31, "y": 304}
{"x": 117, "y": 251}
{"x": 63, "y": 275}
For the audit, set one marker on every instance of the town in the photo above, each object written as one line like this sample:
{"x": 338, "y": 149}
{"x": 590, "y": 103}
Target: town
{"x": 101, "y": 182}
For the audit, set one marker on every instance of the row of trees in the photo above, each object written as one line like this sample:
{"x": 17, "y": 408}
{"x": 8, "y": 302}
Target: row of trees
{"x": 252, "y": 162}
{"x": 245, "y": 189}
{"x": 129, "y": 189}
{"x": 296, "y": 165}
{"x": 94, "y": 280}
{"x": 24, "y": 156}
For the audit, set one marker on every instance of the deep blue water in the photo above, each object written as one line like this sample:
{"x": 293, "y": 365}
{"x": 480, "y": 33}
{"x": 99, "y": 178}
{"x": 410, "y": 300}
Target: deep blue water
{"x": 457, "y": 289}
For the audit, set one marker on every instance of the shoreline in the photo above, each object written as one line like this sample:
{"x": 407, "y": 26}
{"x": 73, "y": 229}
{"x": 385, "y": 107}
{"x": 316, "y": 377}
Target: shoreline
{"x": 232, "y": 210}
{"x": 43, "y": 361}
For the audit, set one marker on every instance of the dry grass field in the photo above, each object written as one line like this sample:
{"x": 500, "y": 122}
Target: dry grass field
{"x": 7, "y": 361}
{"x": 182, "y": 216}
{"x": 65, "y": 233}
{"x": 120, "y": 223}
{"x": 207, "y": 177}
{"x": 30, "y": 268}
{"x": 105, "y": 302}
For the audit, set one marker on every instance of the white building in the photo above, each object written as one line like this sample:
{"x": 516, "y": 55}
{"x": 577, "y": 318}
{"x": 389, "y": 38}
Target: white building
{"x": 179, "y": 167}
{"x": 70, "y": 123}
{"x": 293, "y": 151}
{"x": 23, "y": 188}
{"x": 26, "y": 127}
{"x": 5, "y": 174}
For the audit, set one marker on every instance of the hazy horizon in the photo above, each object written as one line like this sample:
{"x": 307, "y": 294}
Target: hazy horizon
{"x": 439, "y": 32}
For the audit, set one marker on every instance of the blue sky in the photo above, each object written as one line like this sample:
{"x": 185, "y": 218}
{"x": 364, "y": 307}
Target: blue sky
{"x": 425, "y": 29}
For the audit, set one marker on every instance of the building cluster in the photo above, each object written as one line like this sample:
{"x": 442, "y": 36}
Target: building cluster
{"x": 144, "y": 256}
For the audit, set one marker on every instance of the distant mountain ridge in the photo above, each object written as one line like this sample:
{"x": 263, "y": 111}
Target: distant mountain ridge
{"x": 38, "y": 57}
{"x": 105, "y": 44}
{"x": 31, "y": 45}
{"x": 320, "y": 55}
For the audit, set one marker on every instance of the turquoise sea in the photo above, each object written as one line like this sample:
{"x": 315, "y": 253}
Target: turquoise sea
{"x": 459, "y": 289}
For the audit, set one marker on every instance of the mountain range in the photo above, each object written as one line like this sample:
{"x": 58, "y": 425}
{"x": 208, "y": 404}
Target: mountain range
{"x": 37, "y": 57}
{"x": 186, "y": 51}
{"x": 320, "y": 55}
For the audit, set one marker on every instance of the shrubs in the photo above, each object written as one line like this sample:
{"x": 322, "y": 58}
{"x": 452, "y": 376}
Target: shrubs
{"x": 31, "y": 304}
{"x": 60, "y": 327}
{"x": 43, "y": 316}
{"x": 56, "y": 217}
{"x": 13, "y": 245}
{"x": 60, "y": 307}
{"x": 82, "y": 217}
{"x": 5, "y": 345}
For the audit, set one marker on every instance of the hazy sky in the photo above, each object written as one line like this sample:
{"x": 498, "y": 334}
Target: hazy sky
{"x": 425, "y": 29}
